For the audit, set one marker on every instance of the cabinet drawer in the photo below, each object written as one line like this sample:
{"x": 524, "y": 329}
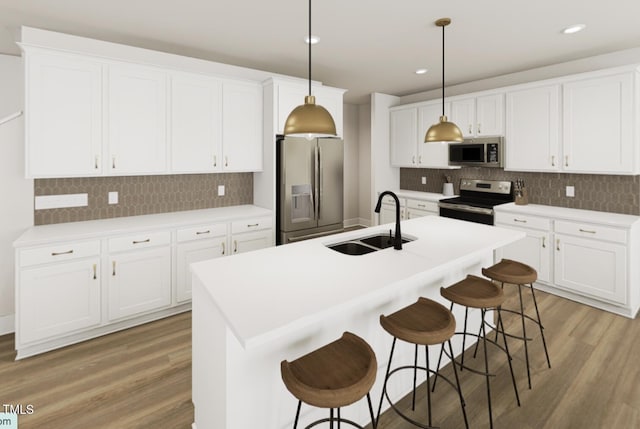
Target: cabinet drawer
{"x": 59, "y": 252}
{"x": 254, "y": 224}
{"x": 202, "y": 232}
{"x": 388, "y": 199}
{"x": 139, "y": 241}
{"x": 423, "y": 205}
{"x": 523, "y": 221}
{"x": 588, "y": 230}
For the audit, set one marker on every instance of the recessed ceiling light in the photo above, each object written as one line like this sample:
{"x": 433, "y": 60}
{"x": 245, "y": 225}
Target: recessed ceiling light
{"x": 421, "y": 71}
{"x": 574, "y": 28}
{"x": 314, "y": 39}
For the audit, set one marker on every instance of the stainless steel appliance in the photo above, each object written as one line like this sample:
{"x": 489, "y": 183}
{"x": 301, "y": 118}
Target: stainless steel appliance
{"x": 477, "y": 199}
{"x": 478, "y": 152}
{"x": 309, "y": 181}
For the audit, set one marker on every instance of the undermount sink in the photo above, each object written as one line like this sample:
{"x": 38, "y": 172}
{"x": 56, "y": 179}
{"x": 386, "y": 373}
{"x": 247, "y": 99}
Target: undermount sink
{"x": 367, "y": 244}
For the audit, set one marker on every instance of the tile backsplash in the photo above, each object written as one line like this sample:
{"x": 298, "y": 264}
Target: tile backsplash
{"x": 139, "y": 195}
{"x": 618, "y": 194}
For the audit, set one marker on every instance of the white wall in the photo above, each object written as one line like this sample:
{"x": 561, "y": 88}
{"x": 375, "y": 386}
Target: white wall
{"x": 16, "y": 212}
{"x": 351, "y": 164}
{"x": 364, "y": 165}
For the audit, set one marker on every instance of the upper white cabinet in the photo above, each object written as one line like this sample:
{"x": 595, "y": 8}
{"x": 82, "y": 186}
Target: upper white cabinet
{"x": 242, "y": 126}
{"x": 63, "y": 109}
{"x": 195, "y": 124}
{"x": 479, "y": 116}
{"x": 598, "y": 124}
{"x": 431, "y": 155}
{"x": 137, "y": 105}
{"x": 288, "y": 95}
{"x": 533, "y": 129}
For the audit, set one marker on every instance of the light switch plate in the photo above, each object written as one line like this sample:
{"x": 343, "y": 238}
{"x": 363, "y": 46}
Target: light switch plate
{"x": 571, "y": 191}
{"x": 424, "y": 180}
{"x": 113, "y": 197}
{"x": 221, "y": 190}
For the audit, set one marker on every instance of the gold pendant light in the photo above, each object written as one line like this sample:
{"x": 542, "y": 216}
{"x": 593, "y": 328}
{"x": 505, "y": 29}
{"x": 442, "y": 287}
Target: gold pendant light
{"x": 443, "y": 131}
{"x": 310, "y": 120}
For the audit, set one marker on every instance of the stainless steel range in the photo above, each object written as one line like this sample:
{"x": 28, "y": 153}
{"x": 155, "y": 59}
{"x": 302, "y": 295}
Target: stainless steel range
{"x": 477, "y": 199}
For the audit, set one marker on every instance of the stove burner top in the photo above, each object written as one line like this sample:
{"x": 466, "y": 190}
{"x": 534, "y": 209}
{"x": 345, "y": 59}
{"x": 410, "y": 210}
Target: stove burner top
{"x": 477, "y": 199}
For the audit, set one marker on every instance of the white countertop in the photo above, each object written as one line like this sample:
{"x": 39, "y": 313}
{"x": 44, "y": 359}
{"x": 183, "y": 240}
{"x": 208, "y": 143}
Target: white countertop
{"x": 267, "y": 293}
{"x": 578, "y": 215}
{"x": 44, "y": 234}
{"x": 417, "y": 195}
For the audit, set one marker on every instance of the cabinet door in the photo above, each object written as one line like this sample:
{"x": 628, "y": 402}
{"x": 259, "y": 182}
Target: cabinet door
{"x": 431, "y": 155}
{"x": 58, "y": 299}
{"x": 403, "y": 128}
{"x": 533, "y": 250}
{"x": 490, "y": 115}
{"x": 196, "y": 124}
{"x": 414, "y": 213}
{"x": 139, "y": 281}
{"x": 591, "y": 267}
{"x": 289, "y": 97}
{"x": 533, "y": 129}
{"x": 598, "y": 125}
{"x": 463, "y": 114}
{"x": 196, "y": 251}
{"x": 388, "y": 213}
{"x": 330, "y": 99}
{"x": 251, "y": 241}
{"x": 63, "y": 116}
{"x": 242, "y": 126}
{"x": 137, "y": 120}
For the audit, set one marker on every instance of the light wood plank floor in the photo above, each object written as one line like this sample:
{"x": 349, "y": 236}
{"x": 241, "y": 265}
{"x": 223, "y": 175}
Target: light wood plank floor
{"x": 141, "y": 378}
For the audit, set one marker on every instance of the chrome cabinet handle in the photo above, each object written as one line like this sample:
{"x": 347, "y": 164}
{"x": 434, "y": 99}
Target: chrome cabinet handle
{"x": 113, "y": 162}
{"x": 215, "y": 161}
{"x": 203, "y": 232}
{"x": 253, "y": 225}
{"x": 141, "y": 241}
{"x": 419, "y": 159}
{"x": 558, "y": 244}
{"x": 587, "y": 231}
{"x": 94, "y": 271}
{"x": 421, "y": 205}
{"x": 566, "y": 160}
{"x": 223, "y": 247}
{"x": 68, "y": 252}
{"x": 413, "y": 159}
{"x": 519, "y": 220}
{"x": 226, "y": 161}
{"x": 95, "y": 162}
{"x": 479, "y": 132}
{"x": 544, "y": 242}
{"x": 113, "y": 268}
{"x": 470, "y": 128}
{"x": 553, "y": 160}
{"x": 235, "y": 246}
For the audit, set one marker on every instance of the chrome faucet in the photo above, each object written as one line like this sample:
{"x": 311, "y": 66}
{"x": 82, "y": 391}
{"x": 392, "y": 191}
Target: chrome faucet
{"x": 397, "y": 240}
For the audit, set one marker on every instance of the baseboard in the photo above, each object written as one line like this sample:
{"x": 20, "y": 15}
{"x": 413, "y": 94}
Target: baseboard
{"x": 358, "y": 221}
{"x": 7, "y": 324}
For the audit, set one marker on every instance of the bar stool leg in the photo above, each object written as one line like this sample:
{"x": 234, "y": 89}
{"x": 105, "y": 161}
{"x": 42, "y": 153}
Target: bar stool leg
{"x": 433, "y": 389}
{"x": 486, "y": 368}
{"x": 524, "y": 335}
{"x": 506, "y": 348}
{"x": 464, "y": 337}
{"x": 331, "y": 419}
{"x": 455, "y": 373}
{"x": 374, "y": 421}
{"x": 415, "y": 373}
{"x": 426, "y": 352}
{"x": 544, "y": 343}
{"x": 295, "y": 423}
{"x": 386, "y": 377}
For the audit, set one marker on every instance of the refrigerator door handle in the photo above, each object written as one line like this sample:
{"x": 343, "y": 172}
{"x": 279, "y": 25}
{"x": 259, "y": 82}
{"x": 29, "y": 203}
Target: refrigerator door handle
{"x": 319, "y": 179}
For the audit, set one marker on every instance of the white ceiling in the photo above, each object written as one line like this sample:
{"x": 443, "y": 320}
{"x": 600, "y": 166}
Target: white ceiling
{"x": 366, "y": 45}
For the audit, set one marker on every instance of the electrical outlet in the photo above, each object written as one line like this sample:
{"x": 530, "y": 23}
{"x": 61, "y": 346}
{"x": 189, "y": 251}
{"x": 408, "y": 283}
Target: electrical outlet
{"x": 571, "y": 191}
{"x": 221, "y": 190}
{"x": 113, "y": 197}
{"x": 424, "y": 180}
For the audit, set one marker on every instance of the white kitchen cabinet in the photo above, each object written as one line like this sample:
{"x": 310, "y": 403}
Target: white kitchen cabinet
{"x": 533, "y": 129}
{"x": 57, "y": 299}
{"x": 195, "y": 251}
{"x": 242, "y": 126}
{"x": 248, "y": 241}
{"x": 63, "y": 107}
{"x": 598, "y": 124}
{"x": 479, "y": 116}
{"x": 535, "y": 249}
{"x": 137, "y": 110}
{"x": 139, "y": 281}
{"x": 420, "y": 208}
{"x": 388, "y": 210}
{"x": 403, "y": 138}
{"x": 431, "y": 155}
{"x": 195, "y": 124}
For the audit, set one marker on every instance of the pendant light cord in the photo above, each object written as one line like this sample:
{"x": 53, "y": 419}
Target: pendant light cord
{"x": 442, "y": 69}
{"x": 309, "y": 41}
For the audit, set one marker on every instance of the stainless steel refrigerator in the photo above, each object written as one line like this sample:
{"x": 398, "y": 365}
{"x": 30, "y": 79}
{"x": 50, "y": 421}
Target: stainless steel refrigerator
{"x": 309, "y": 181}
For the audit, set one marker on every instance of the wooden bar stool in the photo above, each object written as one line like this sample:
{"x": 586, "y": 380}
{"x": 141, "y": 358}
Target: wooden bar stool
{"x": 517, "y": 273}
{"x": 476, "y": 292}
{"x": 424, "y": 323}
{"x": 333, "y": 376}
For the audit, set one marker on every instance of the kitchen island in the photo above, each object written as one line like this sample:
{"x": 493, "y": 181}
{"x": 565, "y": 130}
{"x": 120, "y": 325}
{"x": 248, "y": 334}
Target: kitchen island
{"x": 253, "y": 310}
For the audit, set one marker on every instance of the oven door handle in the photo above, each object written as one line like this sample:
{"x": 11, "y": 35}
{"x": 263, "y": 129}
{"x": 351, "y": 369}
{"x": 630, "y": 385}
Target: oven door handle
{"x": 465, "y": 208}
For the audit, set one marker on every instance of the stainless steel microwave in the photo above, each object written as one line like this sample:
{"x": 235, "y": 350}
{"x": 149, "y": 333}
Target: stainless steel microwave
{"x": 478, "y": 152}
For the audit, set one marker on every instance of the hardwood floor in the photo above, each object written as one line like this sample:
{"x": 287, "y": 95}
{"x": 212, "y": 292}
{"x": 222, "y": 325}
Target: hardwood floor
{"x": 141, "y": 378}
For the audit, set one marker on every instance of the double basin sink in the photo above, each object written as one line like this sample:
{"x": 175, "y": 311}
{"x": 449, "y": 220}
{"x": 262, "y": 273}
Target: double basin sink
{"x": 367, "y": 244}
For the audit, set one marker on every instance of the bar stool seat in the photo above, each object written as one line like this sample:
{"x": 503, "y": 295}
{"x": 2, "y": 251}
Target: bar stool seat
{"x": 333, "y": 376}
{"x": 508, "y": 271}
{"x": 423, "y": 323}
{"x": 474, "y": 292}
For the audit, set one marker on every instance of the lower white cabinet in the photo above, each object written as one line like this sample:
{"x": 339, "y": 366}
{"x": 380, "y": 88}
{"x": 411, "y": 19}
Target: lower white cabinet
{"x": 139, "y": 281}
{"x": 591, "y": 267}
{"x": 58, "y": 299}
{"x": 195, "y": 251}
{"x": 419, "y": 208}
{"x": 248, "y": 241}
